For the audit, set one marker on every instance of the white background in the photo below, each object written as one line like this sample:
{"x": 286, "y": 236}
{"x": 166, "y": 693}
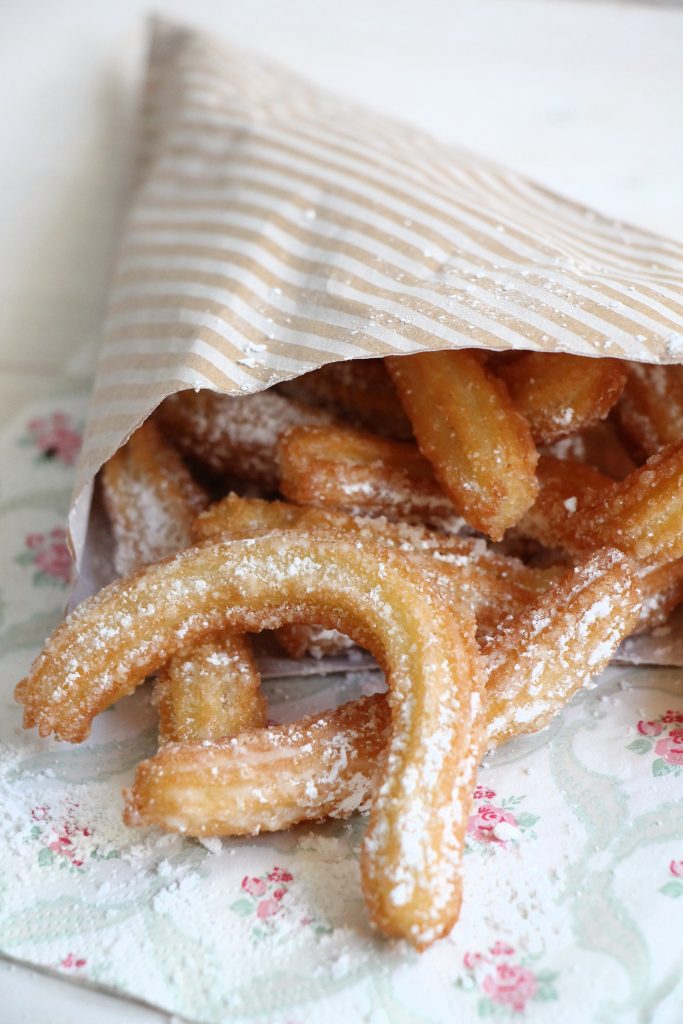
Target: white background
{"x": 587, "y": 97}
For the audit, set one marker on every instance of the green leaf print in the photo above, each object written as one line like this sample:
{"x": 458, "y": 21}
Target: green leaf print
{"x": 242, "y": 907}
{"x": 526, "y": 820}
{"x": 673, "y": 888}
{"x": 641, "y": 746}
{"x": 25, "y": 558}
{"x": 660, "y": 767}
{"x": 486, "y": 1008}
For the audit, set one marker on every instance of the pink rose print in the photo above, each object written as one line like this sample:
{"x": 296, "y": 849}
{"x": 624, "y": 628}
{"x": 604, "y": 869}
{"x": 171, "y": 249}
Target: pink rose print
{"x": 674, "y": 887}
{"x": 254, "y": 886}
{"x": 72, "y": 962}
{"x": 267, "y": 908}
{"x": 663, "y": 737}
{"x": 481, "y": 793}
{"x": 263, "y": 898}
{"x": 49, "y": 555}
{"x": 501, "y": 949}
{"x": 64, "y": 841}
{"x": 505, "y": 981}
{"x": 55, "y": 437}
{"x": 510, "y": 985}
{"x": 278, "y": 875}
{"x": 671, "y": 748}
{"x": 494, "y": 825}
{"x": 650, "y": 728}
{"x": 482, "y": 825}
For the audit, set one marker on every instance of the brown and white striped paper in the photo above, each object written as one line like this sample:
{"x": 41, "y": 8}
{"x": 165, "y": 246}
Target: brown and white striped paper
{"x": 275, "y": 227}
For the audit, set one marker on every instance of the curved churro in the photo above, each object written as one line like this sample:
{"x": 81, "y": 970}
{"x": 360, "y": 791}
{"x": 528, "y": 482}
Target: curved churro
{"x": 383, "y": 600}
{"x": 494, "y": 586}
{"x": 325, "y": 765}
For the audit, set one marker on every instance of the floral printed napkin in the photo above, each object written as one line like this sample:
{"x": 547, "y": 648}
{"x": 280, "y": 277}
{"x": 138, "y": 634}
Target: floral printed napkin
{"x": 574, "y": 863}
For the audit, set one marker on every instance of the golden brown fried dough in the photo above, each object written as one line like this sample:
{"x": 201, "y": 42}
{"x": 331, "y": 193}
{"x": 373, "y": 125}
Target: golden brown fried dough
{"x": 150, "y": 498}
{"x": 564, "y": 487}
{"x": 560, "y": 394}
{"x": 388, "y": 603}
{"x": 326, "y": 765}
{"x": 360, "y": 390}
{"x": 641, "y": 514}
{"x": 210, "y": 693}
{"x": 493, "y": 585}
{"x": 650, "y": 412}
{"x": 234, "y": 436}
{"x": 346, "y": 469}
{"x": 466, "y": 425}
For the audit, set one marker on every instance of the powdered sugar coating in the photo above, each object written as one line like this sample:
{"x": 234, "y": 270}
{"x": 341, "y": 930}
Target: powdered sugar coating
{"x": 235, "y": 436}
{"x": 341, "y": 468}
{"x": 210, "y": 693}
{"x": 265, "y": 779}
{"x": 650, "y": 412}
{"x": 559, "y": 644}
{"x": 493, "y": 585}
{"x": 385, "y": 601}
{"x": 151, "y": 500}
{"x": 313, "y": 768}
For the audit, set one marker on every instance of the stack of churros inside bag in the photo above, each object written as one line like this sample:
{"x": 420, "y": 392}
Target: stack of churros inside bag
{"x": 488, "y": 527}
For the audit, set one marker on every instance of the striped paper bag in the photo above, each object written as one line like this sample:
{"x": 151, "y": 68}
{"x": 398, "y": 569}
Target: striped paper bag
{"x": 274, "y": 227}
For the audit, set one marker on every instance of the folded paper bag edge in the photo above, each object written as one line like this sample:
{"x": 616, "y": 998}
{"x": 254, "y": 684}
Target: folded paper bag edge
{"x": 275, "y": 227}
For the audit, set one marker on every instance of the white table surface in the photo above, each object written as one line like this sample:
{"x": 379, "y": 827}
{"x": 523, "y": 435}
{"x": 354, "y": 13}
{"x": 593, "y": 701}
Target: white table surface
{"x": 584, "y": 96}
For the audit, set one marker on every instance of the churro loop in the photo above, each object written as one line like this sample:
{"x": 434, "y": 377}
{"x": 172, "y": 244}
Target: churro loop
{"x": 326, "y": 765}
{"x": 494, "y": 585}
{"x": 387, "y": 603}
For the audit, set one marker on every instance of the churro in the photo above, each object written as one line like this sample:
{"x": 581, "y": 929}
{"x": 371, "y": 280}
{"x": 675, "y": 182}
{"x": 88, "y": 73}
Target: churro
{"x": 383, "y": 600}
{"x": 359, "y": 390}
{"x": 559, "y": 394}
{"x": 210, "y": 693}
{"x": 234, "y": 436}
{"x": 466, "y": 425}
{"x": 151, "y": 500}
